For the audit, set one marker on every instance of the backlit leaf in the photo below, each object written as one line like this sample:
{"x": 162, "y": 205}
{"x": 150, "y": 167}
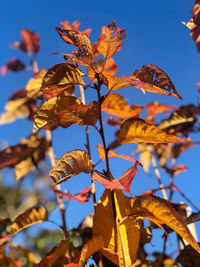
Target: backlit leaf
{"x": 155, "y": 108}
{"x": 136, "y": 130}
{"x": 74, "y": 27}
{"x": 110, "y": 41}
{"x": 81, "y": 41}
{"x": 116, "y": 105}
{"x": 123, "y": 183}
{"x": 71, "y": 164}
{"x": 160, "y": 212}
{"x": 61, "y": 77}
{"x": 83, "y": 196}
{"x": 26, "y": 219}
{"x": 65, "y": 111}
{"x": 194, "y": 32}
{"x": 34, "y": 84}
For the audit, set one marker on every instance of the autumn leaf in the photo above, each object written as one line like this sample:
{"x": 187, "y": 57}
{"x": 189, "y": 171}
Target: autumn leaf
{"x": 175, "y": 169}
{"x": 136, "y": 130}
{"x": 180, "y": 121}
{"x": 194, "y": 32}
{"x": 75, "y": 27}
{"x": 123, "y": 183}
{"x": 160, "y": 212}
{"x": 71, "y": 164}
{"x": 59, "y": 255}
{"x": 34, "y": 84}
{"x": 65, "y": 111}
{"x": 155, "y": 108}
{"x": 149, "y": 78}
{"x": 116, "y": 105}
{"x": 61, "y": 77}
{"x": 26, "y": 219}
{"x": 83, "y": 196}
{"x": 81, "y": 41}
{"x": 25, "y": 156}
{"x": 145, "y": 151}
{"x": 30, "y": 42}
{"x": 14, "y": 65}
{"x": 178, "y": 149}
{"x": 188, "y": 257}
{"x": 110, "y": 40}
{"x": 196, "y": 13}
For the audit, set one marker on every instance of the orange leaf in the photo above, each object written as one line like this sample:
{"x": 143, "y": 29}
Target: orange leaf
{"x": 83, "y": 196}
{"x": 123, "y": 183}
{"x": 83, "y": 43}
{"x": 74, "y": 27}
{"x": 110, "y": 41}
{"x": 155, "y": 107}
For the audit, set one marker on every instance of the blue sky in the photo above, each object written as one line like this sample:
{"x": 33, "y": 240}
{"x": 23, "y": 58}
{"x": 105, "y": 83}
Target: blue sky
{"x": 154, "y": 35}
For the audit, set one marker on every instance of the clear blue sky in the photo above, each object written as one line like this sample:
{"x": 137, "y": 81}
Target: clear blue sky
{"x": 154, "y": 35}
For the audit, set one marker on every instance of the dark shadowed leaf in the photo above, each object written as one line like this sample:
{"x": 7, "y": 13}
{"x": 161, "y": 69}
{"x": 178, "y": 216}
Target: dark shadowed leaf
{"x": 110, "y": 41}
{"x": 14, "y": 65}
{"x": 178, "y": 149}
{"x": 71, "y": 164}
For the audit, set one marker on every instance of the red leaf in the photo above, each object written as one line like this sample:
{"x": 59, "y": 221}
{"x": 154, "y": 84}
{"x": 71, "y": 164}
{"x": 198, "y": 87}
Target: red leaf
{"x": 82, "y": 196}
{"x": 123, "y": 183}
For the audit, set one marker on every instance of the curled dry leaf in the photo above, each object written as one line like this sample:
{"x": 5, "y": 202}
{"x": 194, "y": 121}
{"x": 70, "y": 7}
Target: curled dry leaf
{"x": 180, "y": 121}
{"x": 71, "y": 164}
{"x": 116, "y": 105}
{"x": 65, "y": 111}
{"x": 26, "y": 219}
{"x": 80, "y": 40}
{"x": 30, "y": 42}
{"x": 61, "y": 77}
{"x": 83, "y": 196}
{"x": 110, "y": 40}
{"x": 14, "y": 65}
{"x": 137, "y": 130}
{"x": 123, "y": 183}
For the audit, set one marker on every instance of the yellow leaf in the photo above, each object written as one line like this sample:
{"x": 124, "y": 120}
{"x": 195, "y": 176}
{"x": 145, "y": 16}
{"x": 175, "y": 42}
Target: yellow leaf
{"x": 110, "y": 41}
{"x": 61, "y": 77}
{"x": 65, "y": 111}
{"x": 34, "y": 84}
{"x": 136, "y": 130}
{"x": 159, "y": 211}
{"x": 71, "y": 164}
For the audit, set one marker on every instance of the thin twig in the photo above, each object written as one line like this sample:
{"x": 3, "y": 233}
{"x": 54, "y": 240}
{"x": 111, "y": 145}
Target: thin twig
{"x": 157, "y": 173}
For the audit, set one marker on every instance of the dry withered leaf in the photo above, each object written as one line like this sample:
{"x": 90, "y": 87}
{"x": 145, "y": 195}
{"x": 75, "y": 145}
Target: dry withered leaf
{"x": 156, "y": 80}
{"x": 83, "y": 43}
{"x": 14, "y": 65}
{"x": 180, "y": 121}
{"x": 71, "y": 164}
{"x": 61, "y": 77}
{"x": 136, "y": 130}
{"x": 26, "y": 219}
{"x": 30, "y": 42}
{"x": 116, "y": 105}
{"x": 28, "y": 153}
{"x": 110, "y": 40}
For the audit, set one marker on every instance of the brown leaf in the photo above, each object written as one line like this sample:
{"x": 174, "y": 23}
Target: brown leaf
{"x": 156, "y": 80}
{"x": 180, "y": 121}
{"x": 26, "y": 219}
{"x": 110, "y": 41}
{"x": 178, "y": 149}
{"x": 65, "y": 111}
{"x": 196, "y": 13}
{"x": 71, "y": 164}
{"x": 30, "y": 42}
{"x": 61, "y": 77}
{"x": 136, "y": 130}
{"x": 116, "y": 105}
{"x": 32, "y": 149}
{"x": 81, "y": 41}
{"x": 14, "y": 65}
